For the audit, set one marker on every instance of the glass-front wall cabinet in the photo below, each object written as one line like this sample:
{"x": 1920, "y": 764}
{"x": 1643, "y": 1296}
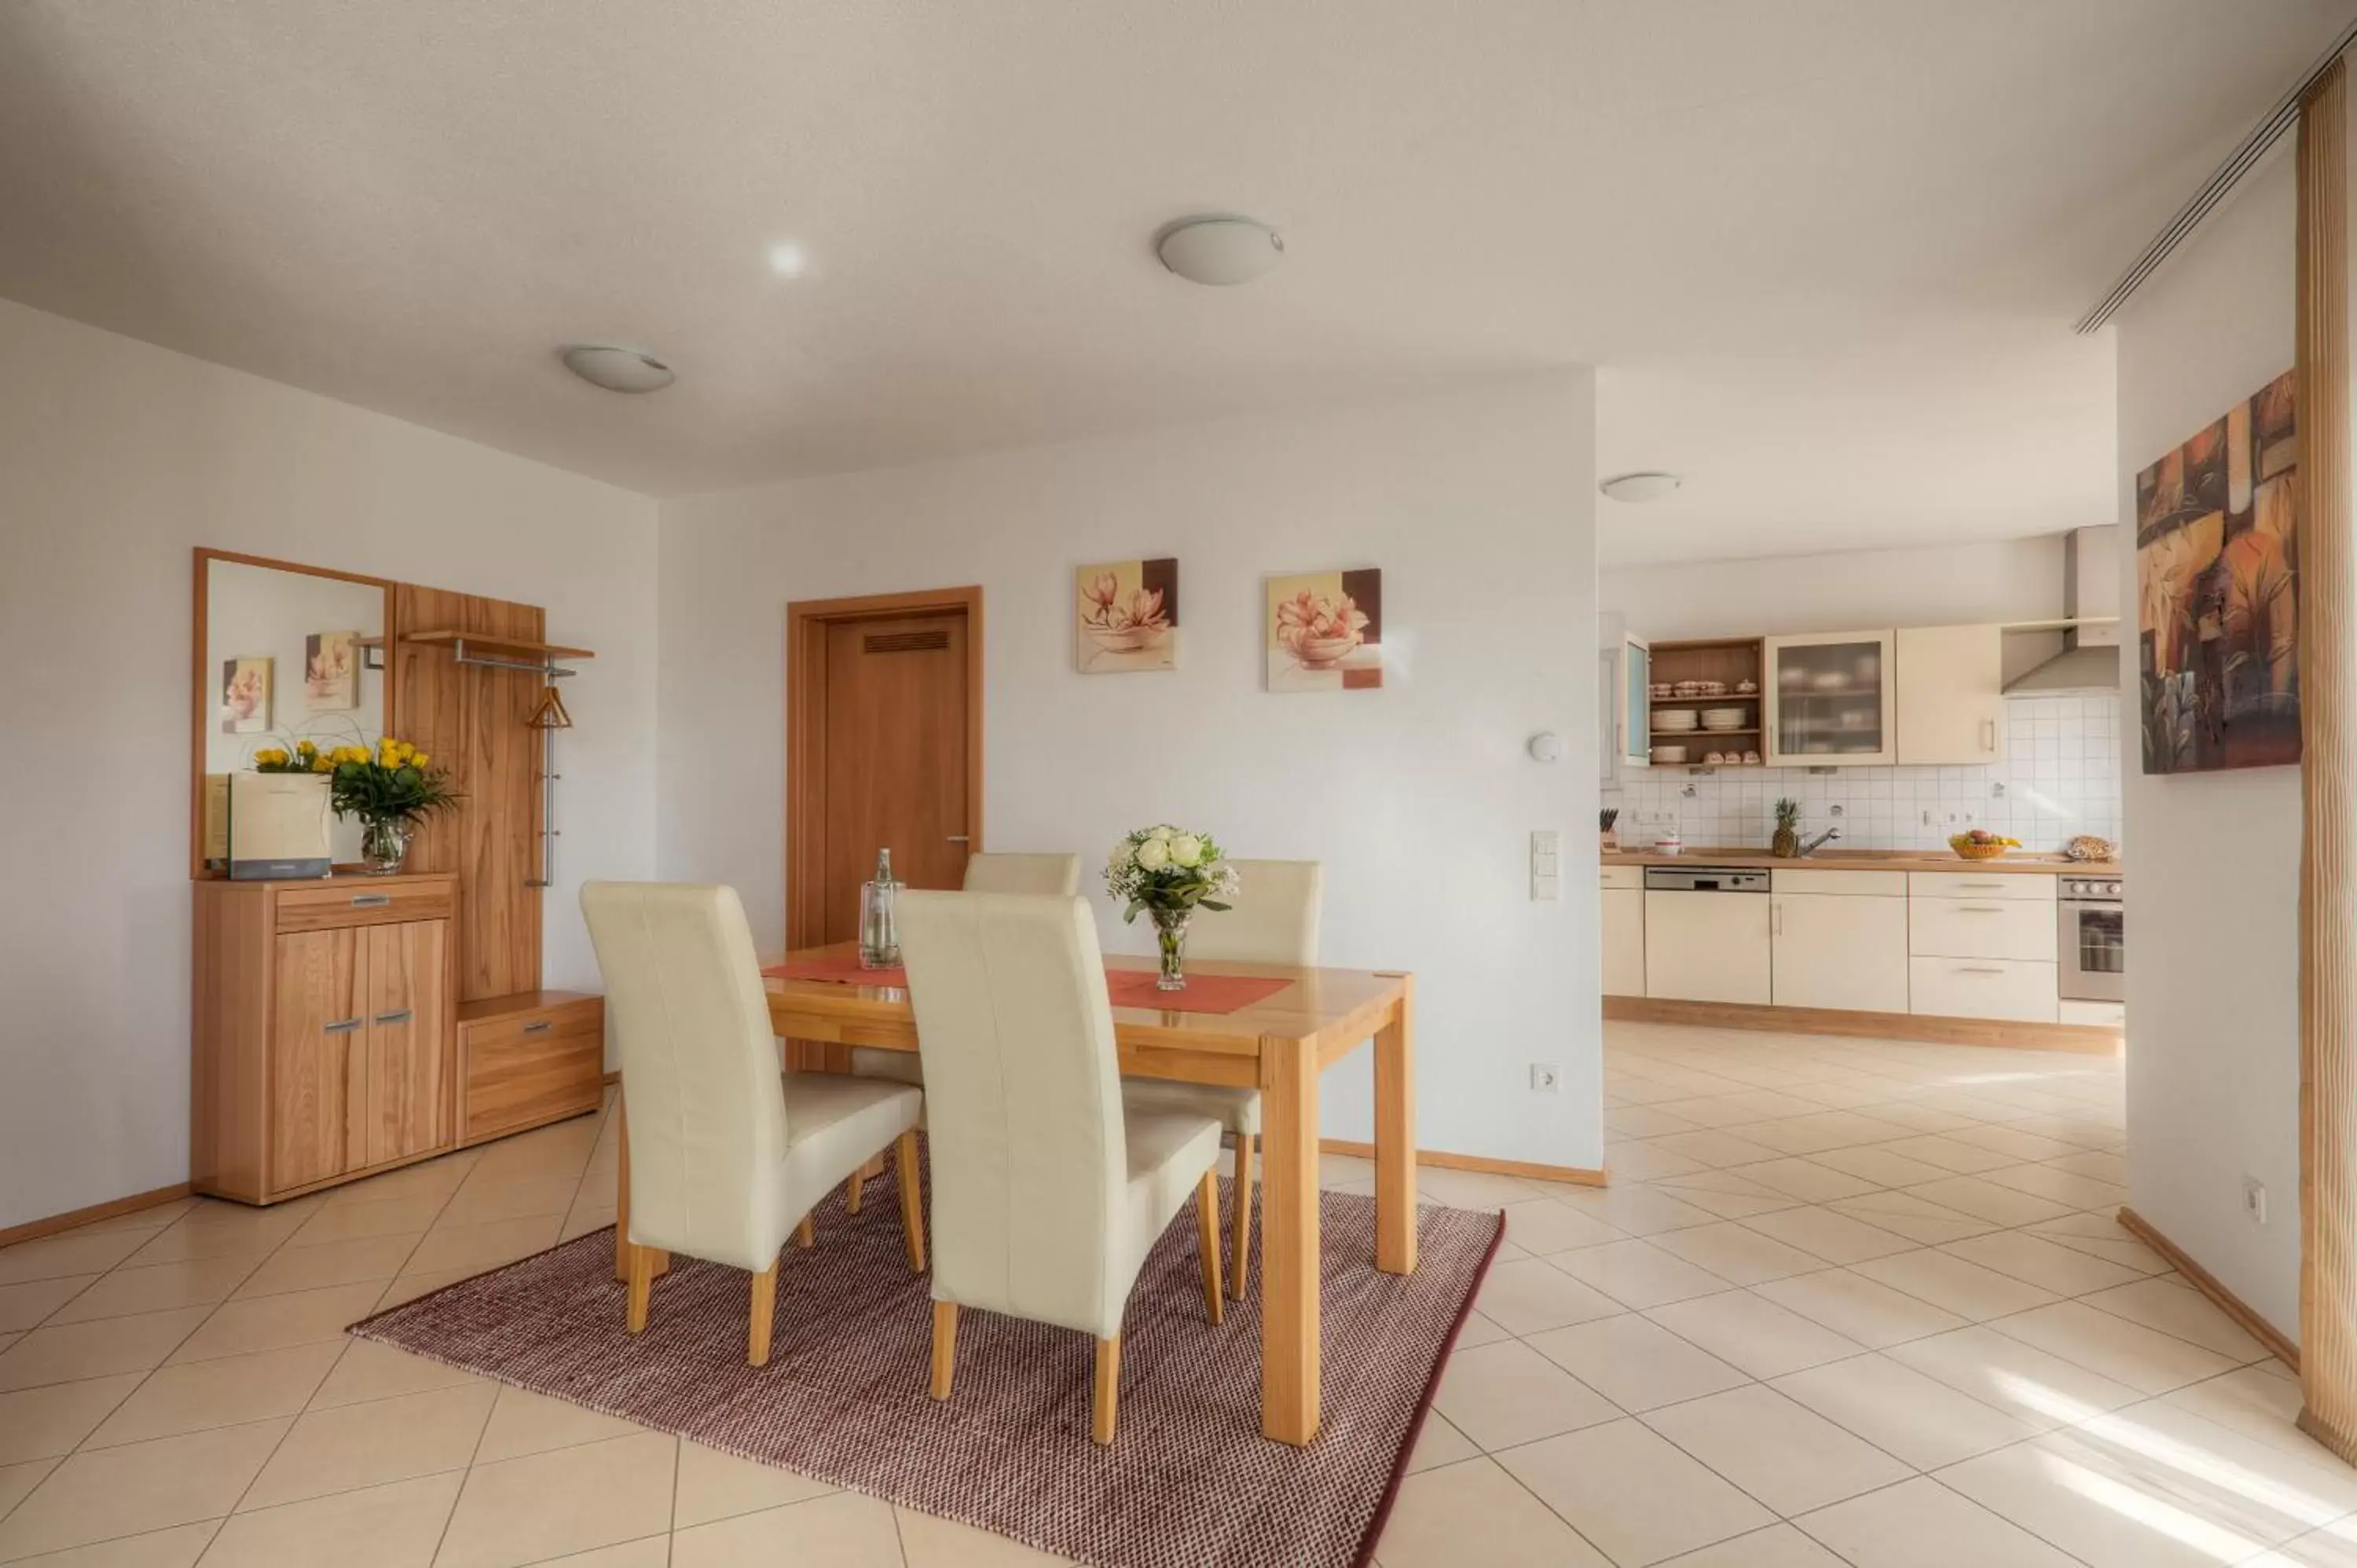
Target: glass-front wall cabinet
{"x": 1632, "y": 738}
{"x": 1830, "y": 700}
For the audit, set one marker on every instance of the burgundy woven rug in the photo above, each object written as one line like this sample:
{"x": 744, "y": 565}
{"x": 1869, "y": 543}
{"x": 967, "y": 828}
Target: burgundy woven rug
{"x": 1190, "y": 1482}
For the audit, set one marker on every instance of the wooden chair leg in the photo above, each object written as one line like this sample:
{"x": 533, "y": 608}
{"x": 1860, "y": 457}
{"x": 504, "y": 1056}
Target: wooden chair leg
{"x": 1207, "y": 1236}
{"x": 944, "y": 1347}
{"x": 1105, "y": 1415}
{"x": 806, "y": 1233}
{"x": 858, "y": 1184}
{"x": 1241, "y": 1263}
{"x": 642, "y": 1284}
{"x": 764, "y": 1307}
{"x": 912, "y": 1203}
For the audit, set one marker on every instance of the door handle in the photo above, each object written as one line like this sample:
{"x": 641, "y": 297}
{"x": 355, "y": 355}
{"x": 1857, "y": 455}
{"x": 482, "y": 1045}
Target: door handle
{"x": 960, "y": 838}
{"x": 342, "y": 1027}
{"x": 399, "y": 1017}
{"x": 371, "y": 900}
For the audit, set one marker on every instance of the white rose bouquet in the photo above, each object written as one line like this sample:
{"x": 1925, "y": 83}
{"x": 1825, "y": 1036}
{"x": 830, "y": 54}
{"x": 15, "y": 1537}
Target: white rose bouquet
{"x": 1169, "y": 873}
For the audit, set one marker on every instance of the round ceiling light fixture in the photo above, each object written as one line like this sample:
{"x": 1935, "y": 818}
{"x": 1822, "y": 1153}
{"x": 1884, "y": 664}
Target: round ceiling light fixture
{"x": 1638, "y": 488}
{"x": 1219, "y": 251}
{"x": 617, "y": 369}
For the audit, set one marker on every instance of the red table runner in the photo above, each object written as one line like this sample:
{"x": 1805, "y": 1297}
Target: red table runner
{"x": 1124, "y": 987}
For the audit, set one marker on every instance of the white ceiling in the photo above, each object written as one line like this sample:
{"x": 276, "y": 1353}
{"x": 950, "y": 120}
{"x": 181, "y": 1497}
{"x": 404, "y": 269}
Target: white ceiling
{"x": 1825, "y": 251}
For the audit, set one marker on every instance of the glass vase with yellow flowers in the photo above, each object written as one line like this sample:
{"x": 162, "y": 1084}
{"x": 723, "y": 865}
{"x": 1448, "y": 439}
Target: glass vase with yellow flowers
{"x": 388, "y": 788}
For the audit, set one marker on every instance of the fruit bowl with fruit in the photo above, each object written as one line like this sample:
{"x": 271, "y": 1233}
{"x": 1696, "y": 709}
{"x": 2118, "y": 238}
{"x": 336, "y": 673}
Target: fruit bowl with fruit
{"x": 1982, "y": 844}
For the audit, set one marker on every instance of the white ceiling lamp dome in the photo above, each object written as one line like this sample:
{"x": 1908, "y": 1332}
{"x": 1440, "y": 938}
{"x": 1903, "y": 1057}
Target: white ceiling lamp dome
{"x": 617, "y": 369}
{"x": 1638, "y": 488}
{"x": 1220, "y": 251}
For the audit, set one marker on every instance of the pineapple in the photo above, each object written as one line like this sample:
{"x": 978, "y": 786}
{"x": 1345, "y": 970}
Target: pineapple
{"x": 1787, "y": 844}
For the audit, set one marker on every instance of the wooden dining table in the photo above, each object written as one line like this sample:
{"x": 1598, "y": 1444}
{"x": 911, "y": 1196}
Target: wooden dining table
{"x": 1280, "y": 1046}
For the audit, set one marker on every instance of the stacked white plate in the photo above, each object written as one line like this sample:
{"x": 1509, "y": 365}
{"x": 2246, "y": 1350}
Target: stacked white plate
{"x": 1722, "y": 718}
{"x": 1680, "y": 719}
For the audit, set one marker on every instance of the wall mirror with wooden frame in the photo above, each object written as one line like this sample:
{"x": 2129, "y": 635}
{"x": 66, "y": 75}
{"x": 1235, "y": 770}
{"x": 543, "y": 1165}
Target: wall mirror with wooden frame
{"x": 283, "y": 653}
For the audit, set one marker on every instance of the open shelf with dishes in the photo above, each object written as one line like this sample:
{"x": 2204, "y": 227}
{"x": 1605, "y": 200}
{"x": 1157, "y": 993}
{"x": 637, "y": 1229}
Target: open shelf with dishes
{"x": 1707, "y": 698}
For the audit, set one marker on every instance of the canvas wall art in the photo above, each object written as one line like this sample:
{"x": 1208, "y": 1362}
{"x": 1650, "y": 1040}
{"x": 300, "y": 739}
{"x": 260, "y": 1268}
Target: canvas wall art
{"x": 2218, "y": 593}
{"x": 1127, "y": 617}
{"x": 1325, "y": 631}
{"x": 245, "y": 697}
{"x": 331, "y": 672}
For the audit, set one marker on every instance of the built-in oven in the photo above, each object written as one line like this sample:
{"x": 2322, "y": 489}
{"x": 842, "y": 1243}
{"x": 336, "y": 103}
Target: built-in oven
{"x": 2094, "y": 955}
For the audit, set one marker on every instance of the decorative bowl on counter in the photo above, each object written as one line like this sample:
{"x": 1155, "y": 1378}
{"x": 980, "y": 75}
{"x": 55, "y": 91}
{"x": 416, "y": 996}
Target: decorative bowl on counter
{"x": 1982, "y": 844}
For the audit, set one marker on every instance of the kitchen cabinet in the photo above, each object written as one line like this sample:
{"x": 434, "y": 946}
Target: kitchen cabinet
{"x": 1830, "y": 700}
{"x": 1839, "y": 949}
{"x": 1708, "y": 947}
{"x": 1632, "y": 741}
{"x": 2020, "y": 929}
{"x": 1983, "y": 988}
{"x": 1623, "y": 897}
{"x": 1951, "y": 695}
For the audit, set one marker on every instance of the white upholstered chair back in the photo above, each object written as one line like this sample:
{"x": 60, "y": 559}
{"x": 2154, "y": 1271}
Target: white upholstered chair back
{"x": 1056, "y": 874}
{"x": 1275, "y": 919}
{"x": 707, "y": 1113}
{"x": 1023, "y": 1106}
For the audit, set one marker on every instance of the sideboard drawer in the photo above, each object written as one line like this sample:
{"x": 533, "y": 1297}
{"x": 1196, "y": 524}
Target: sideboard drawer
{"x": 341, "y": 903}
{"x": 521, "y": 1069}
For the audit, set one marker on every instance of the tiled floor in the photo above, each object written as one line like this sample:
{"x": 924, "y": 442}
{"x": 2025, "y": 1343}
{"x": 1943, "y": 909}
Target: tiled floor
{"x": 1847, "y": 1303}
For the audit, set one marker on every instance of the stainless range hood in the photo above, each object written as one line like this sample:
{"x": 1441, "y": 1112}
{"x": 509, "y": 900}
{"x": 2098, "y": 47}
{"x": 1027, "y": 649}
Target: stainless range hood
{"x": 2089, "y": 658}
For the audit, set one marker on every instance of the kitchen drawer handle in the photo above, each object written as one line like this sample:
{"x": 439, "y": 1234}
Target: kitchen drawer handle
{"x": 343, "y": 1027}
{"x": 1979, "y": 909}
{"x": 1996, "y": 971}
{"x": 537, "y": 1026}
{"x": 399, "y": 1017}
{"x": 1980, "y": 883}
{"x": 371, "y": 900}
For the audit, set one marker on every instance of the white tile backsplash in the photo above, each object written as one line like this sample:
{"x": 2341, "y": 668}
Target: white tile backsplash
{"x": 2060, "y": 777}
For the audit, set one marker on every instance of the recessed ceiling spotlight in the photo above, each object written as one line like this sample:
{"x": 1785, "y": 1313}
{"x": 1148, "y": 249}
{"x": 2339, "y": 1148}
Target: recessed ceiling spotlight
{"x": 1638, "y": 488}
{"x": 617, "y": 369}
{"x": 1219, "y": 251}
{"x": 788, "y": 260}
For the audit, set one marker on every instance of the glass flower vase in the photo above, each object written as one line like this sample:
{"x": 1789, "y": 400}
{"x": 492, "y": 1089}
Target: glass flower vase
{"x": 1170, "y": 933}
{"x": 384, "y": 843}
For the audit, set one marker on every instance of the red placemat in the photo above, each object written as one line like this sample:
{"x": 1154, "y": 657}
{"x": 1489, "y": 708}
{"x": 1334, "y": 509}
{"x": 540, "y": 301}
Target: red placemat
{"x": 1124, "y": 987}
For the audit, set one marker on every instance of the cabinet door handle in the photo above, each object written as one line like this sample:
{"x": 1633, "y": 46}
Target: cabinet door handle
{"x": 371, "y": 900}
{"x": 399, "y": 1017}
{"x": 1988, "y": 735}
{"x": 342, "y": 1027}
{"x": 1776, "y": 920}
{"x": 537, "y": 1026}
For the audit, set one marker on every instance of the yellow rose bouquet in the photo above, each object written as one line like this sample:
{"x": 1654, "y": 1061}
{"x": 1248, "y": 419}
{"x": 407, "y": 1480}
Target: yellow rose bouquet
{"x": 388, "y": 787}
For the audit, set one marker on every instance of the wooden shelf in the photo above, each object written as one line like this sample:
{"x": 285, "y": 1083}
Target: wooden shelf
{"x": 1690, "y": 702}
{"x": 1683, "y": 732}
{"x": 485, "y": 642}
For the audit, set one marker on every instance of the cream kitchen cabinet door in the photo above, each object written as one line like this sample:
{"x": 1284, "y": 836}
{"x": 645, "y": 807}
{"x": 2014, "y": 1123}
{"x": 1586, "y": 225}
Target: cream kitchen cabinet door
{"x": 1951, "y": 695}
{"x": 1706, "y": 946}
{"x": 1840, "y": 950}
{"x": 1624, "y": 941}
{"x": 1829, "y": 700}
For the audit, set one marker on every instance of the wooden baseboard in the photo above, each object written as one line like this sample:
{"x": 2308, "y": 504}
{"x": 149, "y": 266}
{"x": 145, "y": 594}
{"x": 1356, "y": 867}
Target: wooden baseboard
{"x": 32, "y": 1230}
{"x": 2209, "y": 1284}
{"x": 2086, "y": 1039}
{"x": 1579, "y": 1175}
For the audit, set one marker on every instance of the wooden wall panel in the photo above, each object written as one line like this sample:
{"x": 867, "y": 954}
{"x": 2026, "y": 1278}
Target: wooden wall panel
{"x": 475, "y": 721}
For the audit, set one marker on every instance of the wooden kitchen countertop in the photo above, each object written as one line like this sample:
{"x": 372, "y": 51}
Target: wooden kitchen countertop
{"x": 2018, "y": 863}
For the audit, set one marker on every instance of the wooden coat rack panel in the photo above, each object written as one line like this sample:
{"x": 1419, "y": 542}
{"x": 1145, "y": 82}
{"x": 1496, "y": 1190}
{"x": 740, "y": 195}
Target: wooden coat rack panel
{"x": 477, "y": 720}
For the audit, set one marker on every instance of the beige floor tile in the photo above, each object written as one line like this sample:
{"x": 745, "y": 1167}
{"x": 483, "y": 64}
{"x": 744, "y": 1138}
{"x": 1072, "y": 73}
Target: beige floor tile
{"x": 1778, "y": 1546}
{"x": 75, "y": 1252}
{"x": 1922, "y": 1524}
{"x": 1478, "y": 1330}
{"x": 1541, "y": 1225}
{"x": 929, "y": 1542}
{"x": 1829, "y": 1235}
{"x": 1917, "y": 1219}
{"x": 51, "y": 1421}
{"x": 647, "y": 1552}
{"x": 2040, "y": 1262}
{"x": 1530, "y": 1294}
{"x": 1943, "y": 1150}
{"x": 18, "y": 1480}
{"x": 2026, "y": 1383}
{"x": 1871, "y": 1161}
{"x": 156, "y": 1288}
{"x": 485, "y": 1197}
{"x": 1638, "y": 1210}
{"x": 178, "y": 1547}
{"x": 434, "y": 1179}
{"x": 1474, "y": 1515}
{"x": 1715, "y": 1148}
{"x": 527, "y": 1423}
{"x": 1950, "y": 1282}
{"x": 1753, "y": 1334}
{"x": 1919, "y": 1118}
{"x": 23, "y": 1306}
{"x": 1438, "y": 1443}
{"x": 1805, "y": 1180}
{"x": 2103, "y": 1166}
{"x": 2159, "y": 1303}
{"x": 296, "y": 1266}
{"x": 579, "y": 1221}
{"x": 224, "y": 1231}
{"x": 372, "y": 1371}
{"x": 1737, "y": 1254}
{"x": 568, "y": 1500}
{"x": 409, "y": 1287}
{"x": 2016, "y": 1144}
{"x": 2059, "y": 1185}
{"x": 394, "y": 1526}
{"x": 2334, "y": 1546}
{"x": 369, "y": 1445}
{"x": 2100, "y": 1236}
{"x": 1502, "y": 1394}
{"x": 2308, "y": 1483}
{"x": 1637, "y": 1273}
{"x": 1980, "y": 1200}
{"x": 2253, "y": 1402}
{"x": 1822, "y": 1131}
{"x": 841, "y": 1530}
{"x": 1779, "y": 1451}
{"x": 231, "y": 1392}
{"x": 101, "y": 1492}
{"x": 69, "y": 1350}
{"x": 1858, "y": 1308}
{"x": 1471, "y": 1189}
{"x": 355, "y": 1221}
{"x": 1902, "y": 1411}
{"x": 2144, "y": 1359}
{"x": 1642, "y": 1162}
{"x": 1635, "y": 1363}
{"x": 153, "y": 1218}
{"x": 275, "y": 1322}
{"x": 1644, "y": 1122}
{"x": 1632, "y": 1493}
{"x": 476, "y": 1247}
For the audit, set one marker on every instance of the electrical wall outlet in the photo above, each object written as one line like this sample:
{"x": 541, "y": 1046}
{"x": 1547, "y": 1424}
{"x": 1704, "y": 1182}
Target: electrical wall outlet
{"x": 1546, "y": 1078}
{"x": 2254, "y": 1199}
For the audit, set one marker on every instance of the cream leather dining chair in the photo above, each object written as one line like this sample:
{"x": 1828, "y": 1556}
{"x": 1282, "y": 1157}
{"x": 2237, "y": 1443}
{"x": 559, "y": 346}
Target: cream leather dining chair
{"x": 1273, "y": 920}
{"x": 726, "y": 1156}
{"x": 1047, "y": 1198}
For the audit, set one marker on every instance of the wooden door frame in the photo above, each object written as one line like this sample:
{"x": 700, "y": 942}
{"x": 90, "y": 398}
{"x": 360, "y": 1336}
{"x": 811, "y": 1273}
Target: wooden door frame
{"x": 807, "y": 621}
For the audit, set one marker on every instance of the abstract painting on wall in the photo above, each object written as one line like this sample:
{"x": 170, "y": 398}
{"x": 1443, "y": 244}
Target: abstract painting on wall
{"x": 245, "y": 697}
{"x": 331, "y": 672}
{"x": 2218, "y": 592}
{"x": 1127, "y": 617}
{"x": 1325, "y": 632}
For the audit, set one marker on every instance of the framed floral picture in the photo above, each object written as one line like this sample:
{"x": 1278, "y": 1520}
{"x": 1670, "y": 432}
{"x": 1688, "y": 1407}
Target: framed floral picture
{"x": 245, "y": 697}
{"x": 1126, "y": 616}
{"x": 331, "y": 672}
{"x": 1324, "y": 631}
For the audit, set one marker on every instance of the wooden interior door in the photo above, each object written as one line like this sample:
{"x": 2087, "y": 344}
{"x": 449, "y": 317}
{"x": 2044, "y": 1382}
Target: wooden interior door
{"x": 316, "y": 1027}
{"x": 405, "y": 1089}
{"x": 894, "y": 759}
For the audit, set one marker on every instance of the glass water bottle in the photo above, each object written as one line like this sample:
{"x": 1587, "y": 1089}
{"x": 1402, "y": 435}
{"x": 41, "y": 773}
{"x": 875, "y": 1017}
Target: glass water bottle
{"x": 880, "y": 928}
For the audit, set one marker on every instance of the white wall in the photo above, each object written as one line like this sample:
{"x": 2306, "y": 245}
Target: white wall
{"x": 2213, "y": 1027}
{"x": 1946, "y": 585}
{"x": 117, "y": 458}
{"x": 1480, "y": 511}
